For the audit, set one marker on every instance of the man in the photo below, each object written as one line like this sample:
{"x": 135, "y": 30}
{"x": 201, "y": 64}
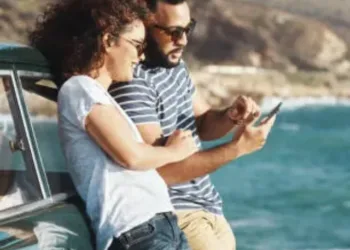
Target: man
{"x": 161, "y": 99}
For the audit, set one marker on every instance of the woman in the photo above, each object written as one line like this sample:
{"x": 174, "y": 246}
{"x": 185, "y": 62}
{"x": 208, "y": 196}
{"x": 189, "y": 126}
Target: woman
{"x": 89, "y": 44}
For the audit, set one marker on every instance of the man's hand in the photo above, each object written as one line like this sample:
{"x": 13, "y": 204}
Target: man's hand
{"x": 243, "y": 110}
{"x": 249, "y": 138}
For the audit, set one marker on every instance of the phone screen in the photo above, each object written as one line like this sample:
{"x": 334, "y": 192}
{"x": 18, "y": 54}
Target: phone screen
{"x": 274, "y": 111}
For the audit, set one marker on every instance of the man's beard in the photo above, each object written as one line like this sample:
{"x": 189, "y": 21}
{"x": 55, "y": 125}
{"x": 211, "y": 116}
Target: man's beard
{"x": 155, "y": 57}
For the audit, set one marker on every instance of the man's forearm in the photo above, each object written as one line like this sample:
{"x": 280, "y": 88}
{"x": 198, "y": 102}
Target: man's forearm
{"x": 199, "y": 164}
{"x": 214, "y": 124}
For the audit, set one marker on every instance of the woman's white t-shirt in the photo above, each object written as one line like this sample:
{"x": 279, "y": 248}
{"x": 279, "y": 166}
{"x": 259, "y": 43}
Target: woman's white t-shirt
{"x": 117, "y": 199}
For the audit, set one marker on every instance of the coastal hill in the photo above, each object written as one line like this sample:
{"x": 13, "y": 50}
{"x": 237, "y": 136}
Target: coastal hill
{"x": 334, "y": 13}
{"x": 302, "y": 46}
{"x": 252, "y": 34}
{"x": 246, "y": 32}
{"x": 301, "y": 55}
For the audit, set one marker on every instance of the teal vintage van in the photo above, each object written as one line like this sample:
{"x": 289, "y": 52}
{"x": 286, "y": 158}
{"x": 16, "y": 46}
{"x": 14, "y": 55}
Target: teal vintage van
{"x": 39, "y": 207}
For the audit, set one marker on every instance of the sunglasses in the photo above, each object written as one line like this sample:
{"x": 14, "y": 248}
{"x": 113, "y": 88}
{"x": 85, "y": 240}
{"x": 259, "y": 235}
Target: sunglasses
{"x": 177, "y": 32}
{"x": 139, "y": 46}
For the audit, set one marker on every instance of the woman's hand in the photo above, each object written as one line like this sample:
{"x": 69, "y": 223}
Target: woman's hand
{"x": 183, "y": 143}
{"x": 109, "y": 128}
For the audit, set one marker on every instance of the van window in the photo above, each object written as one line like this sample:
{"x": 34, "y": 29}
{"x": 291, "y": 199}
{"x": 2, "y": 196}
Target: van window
{"x": 43, "y": 116}
{"x": 18, "y": 184}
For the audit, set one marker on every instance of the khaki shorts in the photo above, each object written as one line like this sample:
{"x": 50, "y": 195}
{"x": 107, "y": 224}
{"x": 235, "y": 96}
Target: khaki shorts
{"x": 205, "y": 230}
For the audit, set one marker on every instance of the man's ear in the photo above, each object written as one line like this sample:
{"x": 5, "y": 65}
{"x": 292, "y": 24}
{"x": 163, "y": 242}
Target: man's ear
{"x": 150, "y": 20}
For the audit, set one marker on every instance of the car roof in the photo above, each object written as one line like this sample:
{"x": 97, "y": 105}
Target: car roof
{"x": 23, "y": 57}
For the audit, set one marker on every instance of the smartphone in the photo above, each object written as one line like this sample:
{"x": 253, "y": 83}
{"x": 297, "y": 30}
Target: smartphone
{"x": 274, "y": 111}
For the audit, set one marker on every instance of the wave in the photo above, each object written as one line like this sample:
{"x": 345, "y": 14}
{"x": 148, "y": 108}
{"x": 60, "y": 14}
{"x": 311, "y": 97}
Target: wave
{"x": 7, "y": 127}
{"x": 5, "y": 118}
{"x": 295, "y": 103}
{"x": 294, "y": 127}
{"x": 254, "y": 222}
{"x": 346, "y": 204}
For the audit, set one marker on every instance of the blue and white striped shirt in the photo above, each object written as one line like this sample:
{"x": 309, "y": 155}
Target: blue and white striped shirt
{"x": 164, "y": 96}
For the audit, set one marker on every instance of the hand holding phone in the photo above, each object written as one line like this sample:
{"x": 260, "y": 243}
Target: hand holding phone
{"x": 250, "y": 138}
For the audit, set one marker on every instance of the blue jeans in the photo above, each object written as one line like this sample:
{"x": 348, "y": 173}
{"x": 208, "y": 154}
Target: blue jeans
{"x": 159, "y": 233}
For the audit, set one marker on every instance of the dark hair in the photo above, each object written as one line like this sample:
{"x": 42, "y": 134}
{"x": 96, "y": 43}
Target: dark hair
{"x": 152, "y": 4}
{"x": 69, "y": 33}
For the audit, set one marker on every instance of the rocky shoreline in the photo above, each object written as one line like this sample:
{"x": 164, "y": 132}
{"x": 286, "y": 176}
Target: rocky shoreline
{"x": 220, "y": 89}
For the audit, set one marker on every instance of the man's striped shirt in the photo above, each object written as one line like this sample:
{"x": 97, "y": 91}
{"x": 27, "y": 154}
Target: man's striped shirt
{"x": 164, "y": 96}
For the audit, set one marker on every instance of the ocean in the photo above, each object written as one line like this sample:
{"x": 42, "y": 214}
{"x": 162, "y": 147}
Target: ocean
{"x": 294, "y": 194}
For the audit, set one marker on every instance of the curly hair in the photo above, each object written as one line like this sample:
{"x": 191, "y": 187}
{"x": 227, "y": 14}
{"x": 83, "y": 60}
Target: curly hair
{"x": 152, "y": 4}
{"x": 70, "y": 32}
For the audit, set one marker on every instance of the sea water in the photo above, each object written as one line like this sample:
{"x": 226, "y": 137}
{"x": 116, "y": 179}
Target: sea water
{"x": 294, "y": 194}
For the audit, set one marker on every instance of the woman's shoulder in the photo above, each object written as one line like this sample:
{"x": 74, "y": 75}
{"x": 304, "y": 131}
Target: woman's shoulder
{"x": 79, "y": 85}
{"x": 77, "y": 82}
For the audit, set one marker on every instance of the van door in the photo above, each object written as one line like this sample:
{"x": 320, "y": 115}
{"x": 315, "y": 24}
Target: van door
{"x": 34, "y": 193}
